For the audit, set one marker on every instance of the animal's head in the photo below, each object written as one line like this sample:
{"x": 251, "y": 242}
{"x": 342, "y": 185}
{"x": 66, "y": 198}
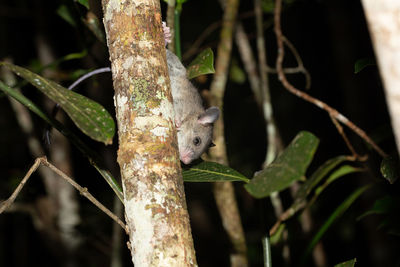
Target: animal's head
{"x": 195, "y": 134}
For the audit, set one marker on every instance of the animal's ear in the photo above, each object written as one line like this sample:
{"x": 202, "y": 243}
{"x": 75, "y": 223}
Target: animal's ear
{"x": 209, "y": 116}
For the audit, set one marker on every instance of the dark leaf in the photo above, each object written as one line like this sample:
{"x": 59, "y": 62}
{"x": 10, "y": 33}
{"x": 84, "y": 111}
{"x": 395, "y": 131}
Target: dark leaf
{"x": 88, "y": 115}
{"x": 236, "y": 74}
{"x": 212, "y": 172}
{"x": 337, "y": 213}
{"x": 362, "y": 63}
{"x": 90, "y": 154}
{"x": 390, "y": 169}
{"x": 65, "y": 14}
{"x": 288, "y": 167}
{"x": 384, "y": 205}
{"x": 317, "y": 176}
{"x": 202, "y": 64}
{"x": 338, "y": 173}
{"x": 84, "y": 3}
{"x": 349, "y": 263}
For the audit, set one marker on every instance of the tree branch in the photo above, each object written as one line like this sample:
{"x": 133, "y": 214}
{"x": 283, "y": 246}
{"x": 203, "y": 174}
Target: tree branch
{"x": 282, "y": 77}
{"x": 82, "y": 190}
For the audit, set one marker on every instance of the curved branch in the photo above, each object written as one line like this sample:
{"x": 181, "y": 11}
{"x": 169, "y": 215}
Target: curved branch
{"x": 282, "y": 77}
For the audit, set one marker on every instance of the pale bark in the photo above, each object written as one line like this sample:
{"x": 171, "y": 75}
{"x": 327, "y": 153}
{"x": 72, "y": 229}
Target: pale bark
{"x": 154, "y": 199}
{"x": 383, "y": 17}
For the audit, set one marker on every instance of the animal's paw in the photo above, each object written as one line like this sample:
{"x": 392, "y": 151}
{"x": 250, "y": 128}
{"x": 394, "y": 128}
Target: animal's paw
{"x": 167, "y": 33}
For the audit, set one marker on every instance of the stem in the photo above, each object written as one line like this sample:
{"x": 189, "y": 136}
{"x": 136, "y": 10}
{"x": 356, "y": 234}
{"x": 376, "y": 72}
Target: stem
{"x": 224, "y": 192}
{"x": 177, "y": 36}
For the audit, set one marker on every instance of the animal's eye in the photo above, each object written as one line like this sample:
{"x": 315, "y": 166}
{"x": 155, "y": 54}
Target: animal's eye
{"x": 197, "y": 141}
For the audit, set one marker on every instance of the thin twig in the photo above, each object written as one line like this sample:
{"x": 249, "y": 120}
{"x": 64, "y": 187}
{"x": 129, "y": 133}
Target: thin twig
{"x": 248, "y": 60}
{"x": 272, "y": 131}
{"x": 7, "y": 203}
{"x": 331, "y": 111}
{"x": 284, "y": 216}
{"x": 273, "y": 137}
{"x": 346, "y": 140}
{"x": 82, "y": 190}
{"x": 300, "y": 64}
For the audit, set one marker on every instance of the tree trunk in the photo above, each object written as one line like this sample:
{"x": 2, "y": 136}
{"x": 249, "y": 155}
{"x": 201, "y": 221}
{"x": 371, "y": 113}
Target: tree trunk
{"x": 384, "y": 27}
{"x": 154, "y": 198}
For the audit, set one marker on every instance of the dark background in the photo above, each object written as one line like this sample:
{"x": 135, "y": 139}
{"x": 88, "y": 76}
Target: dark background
{"x": 329, "y": 35}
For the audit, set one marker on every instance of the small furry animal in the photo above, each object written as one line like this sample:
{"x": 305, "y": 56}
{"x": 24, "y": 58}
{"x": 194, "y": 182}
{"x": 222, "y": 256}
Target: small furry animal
{"x": 193, "y": 122}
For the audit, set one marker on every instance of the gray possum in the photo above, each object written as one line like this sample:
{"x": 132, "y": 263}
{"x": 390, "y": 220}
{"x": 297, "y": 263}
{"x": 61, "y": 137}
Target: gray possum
{"x": 193, "y": 122}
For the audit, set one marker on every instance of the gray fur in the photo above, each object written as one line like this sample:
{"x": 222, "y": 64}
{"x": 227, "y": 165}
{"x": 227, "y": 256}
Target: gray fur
{"x": 191, "y": 119}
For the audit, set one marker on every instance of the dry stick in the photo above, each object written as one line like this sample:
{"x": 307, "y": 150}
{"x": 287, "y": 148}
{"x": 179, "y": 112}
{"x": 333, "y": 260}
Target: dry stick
{"x": 249, "y": 62}
{"x": 242, "y": 41}
{"x": 273, "y": 138}
{"x": 346, "y": 140}
{"x": 272, "y": 132}
{"x": 300, "y": 66}
{"x": 82, "y": 190}
{"x": 7, "y": 203}
{"x": 331, "y": 111}
{"x": 224, "y": 192}
{"x": 334, "y": 114}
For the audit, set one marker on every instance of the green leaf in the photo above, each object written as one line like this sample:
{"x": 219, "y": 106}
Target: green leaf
{"x": 278, "y": 235}
{"x": 300, "y": 200}
{"x": 54, "y": 64}
{"x": 390, "y": 169}
{"x": 384, "y": 205}
{"x": 212, "y": 172}
{"x": 362, "y": 63}
{"x": 89, "y": 153}
{"x": 178, "y": 6}
{"x": 388, "y": 209}
{"x": 202, "y": 64}
{"x": 333, "y": 217}
{"x": 288, "y": 167}
{"x": 77, "y": 55}
{"x": 349, "y": 263}
{"x": 268, "y": 6}
{"x": 88, "y": 115}
{"x": 342, "y": 171}
{"x": 64, "y": 13}
{"x": 236, "y": 74}
{"x": 317, "y": 176}
{"x": 84, "y": 3}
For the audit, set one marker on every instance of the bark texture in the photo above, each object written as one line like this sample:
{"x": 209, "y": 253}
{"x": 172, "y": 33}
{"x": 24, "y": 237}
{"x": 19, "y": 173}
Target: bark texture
{"x": 154, "y": 199}
{"x": 383, "y": 17}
